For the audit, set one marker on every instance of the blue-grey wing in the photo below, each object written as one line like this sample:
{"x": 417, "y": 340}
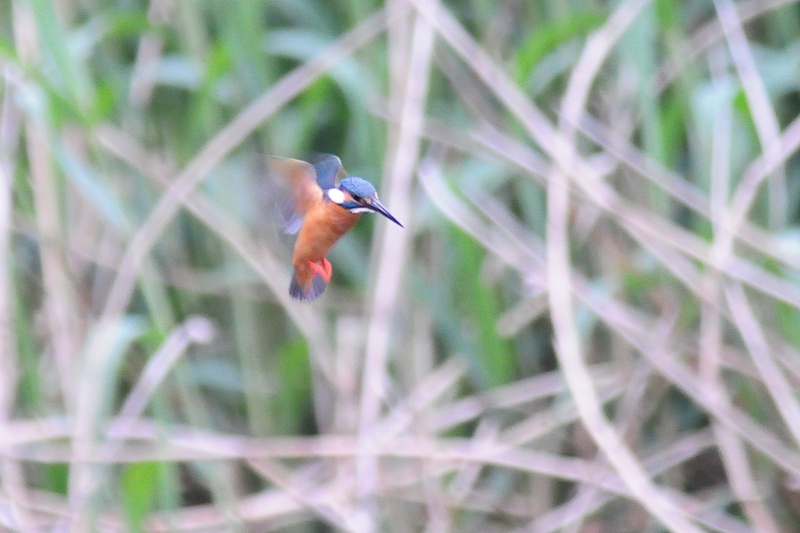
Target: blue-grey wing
{"x": 328, "y": 168}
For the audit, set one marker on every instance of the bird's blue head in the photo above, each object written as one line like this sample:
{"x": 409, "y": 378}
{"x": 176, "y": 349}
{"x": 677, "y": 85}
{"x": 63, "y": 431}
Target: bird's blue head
{"x": 359, "y": 196}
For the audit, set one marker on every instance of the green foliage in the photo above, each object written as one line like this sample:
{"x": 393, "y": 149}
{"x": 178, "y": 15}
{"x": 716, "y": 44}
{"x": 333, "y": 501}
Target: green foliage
{"x": 494, "y": 363}
{"x": 55, "y": 478}
{"x": 293, "y": 401}
{"x": 139, "y": 488}
{"x": 544, "y": 39}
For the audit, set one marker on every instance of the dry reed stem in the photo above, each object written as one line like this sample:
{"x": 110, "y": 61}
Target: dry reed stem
{"x": 12, "y": 477}
{"x": 709, "y": 35}
{"x": 731, "y": 449}
{"x": 775, "y": 382}
{"x": 627, "y": 322}
{"x": 567, "y": 342}
{"x": 760, "y": 106}
{"x": 148, "y": 54}
{"x": 446, "y": 453}
{"x": 392, "y": 248}
{"x": 320, "y": 499}
{"x": 429, "y": 181}
{"x": 59, "y": 300}
{"x": 641, "y": 225}
{"x": 193, "y": 330}
{"x": 690, "y": 195}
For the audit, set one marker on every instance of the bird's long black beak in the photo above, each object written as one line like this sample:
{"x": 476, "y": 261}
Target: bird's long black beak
{"x": 378, "y": 208}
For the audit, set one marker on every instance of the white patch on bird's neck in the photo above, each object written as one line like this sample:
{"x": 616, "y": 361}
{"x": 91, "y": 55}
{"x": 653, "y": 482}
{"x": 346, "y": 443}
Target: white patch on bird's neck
{"x": 336, "y": 196}
{"x": 361, "y": 210}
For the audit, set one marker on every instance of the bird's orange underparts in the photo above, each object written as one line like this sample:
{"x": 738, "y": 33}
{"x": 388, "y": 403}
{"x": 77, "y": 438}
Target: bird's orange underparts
{"x": 325, "y": 203}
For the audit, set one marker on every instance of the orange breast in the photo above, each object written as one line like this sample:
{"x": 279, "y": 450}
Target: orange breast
{"x": 324, "y": 224}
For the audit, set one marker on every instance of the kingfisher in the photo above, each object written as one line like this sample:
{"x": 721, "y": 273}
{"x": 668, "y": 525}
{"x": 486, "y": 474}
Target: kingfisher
{"x": 320, "y": 210}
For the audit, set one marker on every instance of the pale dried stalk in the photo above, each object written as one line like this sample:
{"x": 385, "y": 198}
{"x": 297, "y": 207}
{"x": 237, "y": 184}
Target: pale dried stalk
{"x": 762, "y": 110}
{"x": 12, "y": 477}
{"x": 392, "y": 251}
{"x": 731, "y": 449}
{"x": 559, "y": 268}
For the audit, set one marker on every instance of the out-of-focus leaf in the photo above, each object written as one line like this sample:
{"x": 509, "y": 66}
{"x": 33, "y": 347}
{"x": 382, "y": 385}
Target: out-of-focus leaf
{"x": 549, "y": 36}
{"x": 356, "y": 82}
{"x": 95, "y": 190}
{"x": 101, "y": 363}
{"x": 495, "y": 362}
{"x": 68, "y": 74}
{"x": 294, "y": 373}
{"x": 139, "y": 488}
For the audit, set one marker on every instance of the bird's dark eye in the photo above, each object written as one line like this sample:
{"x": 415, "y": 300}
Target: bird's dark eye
{"x": 356, "y": 198}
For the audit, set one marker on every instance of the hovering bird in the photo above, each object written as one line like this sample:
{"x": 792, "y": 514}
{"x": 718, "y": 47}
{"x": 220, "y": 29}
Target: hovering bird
{"x": 320, "y": 211}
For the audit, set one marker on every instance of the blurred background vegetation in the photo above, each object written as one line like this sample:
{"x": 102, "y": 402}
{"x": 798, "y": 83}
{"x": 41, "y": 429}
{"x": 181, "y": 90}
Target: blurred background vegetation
{"x": 614, "y": 179}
